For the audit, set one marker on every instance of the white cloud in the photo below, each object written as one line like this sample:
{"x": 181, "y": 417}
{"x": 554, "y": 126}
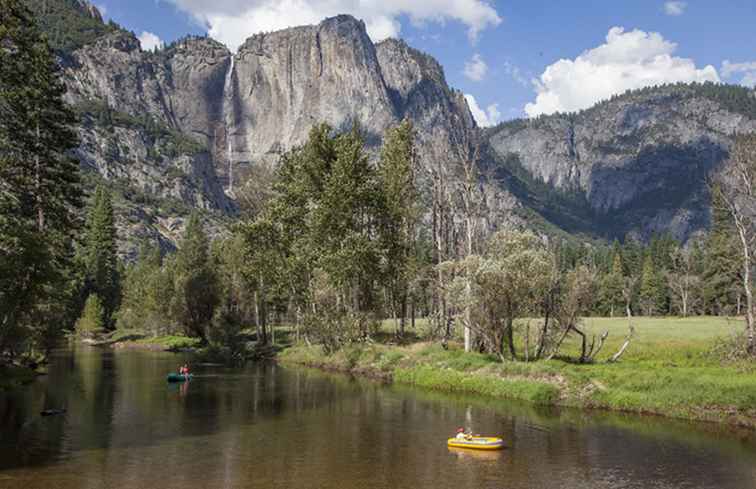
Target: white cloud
{"x": 746, "y": 71}
{"x": 627, "y": 60}
{"x": 484, "y": 118}
{"x": 675, "y": 8}
{"x": 749, "y": 79}
{"x": 515, "y": 73}
{"x": 150, "y": 41}
{"x": 476, "y": 68}
{"x": 232, "y": 21}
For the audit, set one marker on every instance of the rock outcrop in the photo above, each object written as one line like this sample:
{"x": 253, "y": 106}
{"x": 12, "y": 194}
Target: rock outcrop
{"x": 179, "y": 128}
{"x": 637, "y": 164}
{"x": 247, "y": 108}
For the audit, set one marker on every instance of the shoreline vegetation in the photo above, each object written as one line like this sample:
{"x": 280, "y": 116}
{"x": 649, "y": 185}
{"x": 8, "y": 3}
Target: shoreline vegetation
{"x": 671, "y": 371}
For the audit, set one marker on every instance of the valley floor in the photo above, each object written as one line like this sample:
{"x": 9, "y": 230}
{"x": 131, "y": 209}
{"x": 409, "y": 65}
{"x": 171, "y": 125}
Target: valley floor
{"x": 669, "y": 369}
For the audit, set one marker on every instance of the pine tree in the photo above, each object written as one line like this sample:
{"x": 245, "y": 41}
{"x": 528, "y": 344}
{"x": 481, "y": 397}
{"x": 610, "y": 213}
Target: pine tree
{"x": 611, "y": 289}
{"x": 196, "y": 282}
{"x": 39, "y": 187}
{"x": 720, "y": 275}
{"x": 100, "y": 257}
{"x": 649, "y": 288}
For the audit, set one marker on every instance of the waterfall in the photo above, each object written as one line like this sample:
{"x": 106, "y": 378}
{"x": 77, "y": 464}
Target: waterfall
{"x": 228, "y": 120}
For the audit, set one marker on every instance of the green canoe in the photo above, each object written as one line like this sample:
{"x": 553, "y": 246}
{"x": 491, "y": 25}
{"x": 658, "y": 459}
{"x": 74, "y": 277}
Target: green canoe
{"x": 172, "y": 377}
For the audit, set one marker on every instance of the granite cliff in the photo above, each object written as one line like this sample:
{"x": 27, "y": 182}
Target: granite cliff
{"x": 182, "y": 127}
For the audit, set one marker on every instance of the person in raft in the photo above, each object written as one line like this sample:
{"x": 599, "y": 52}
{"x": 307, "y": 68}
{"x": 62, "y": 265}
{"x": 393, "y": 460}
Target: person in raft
{"x": 461, "y": 434}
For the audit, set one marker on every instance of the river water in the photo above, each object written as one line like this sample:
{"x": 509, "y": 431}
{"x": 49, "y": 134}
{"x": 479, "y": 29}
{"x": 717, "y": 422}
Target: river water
{"x": 266, "y": 426}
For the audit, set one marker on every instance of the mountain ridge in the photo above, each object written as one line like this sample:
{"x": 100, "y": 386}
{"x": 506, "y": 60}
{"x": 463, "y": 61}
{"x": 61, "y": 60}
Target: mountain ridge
{"x": 185, "y": 126}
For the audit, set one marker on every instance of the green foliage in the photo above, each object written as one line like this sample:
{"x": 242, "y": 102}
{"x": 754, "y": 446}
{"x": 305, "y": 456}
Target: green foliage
{"x": 670, "y": 369}
{"x": 172, "y": 342}
{"x": 92, "y": 320}
{"x": 39, "y": 188}
{"x": 651, "y": 288}
{"x": 165, "y": 141}
{"x": 721, "y": 266}
{"x": 612, "y": 299}
{"x": 196, "y": 289}
{"x": 322, "y": 242}
{"x": 67, "y": 24}
{"x": 100, "y": 261}
{"x": 148, "y": 295}
{"x": 396, "y": 175}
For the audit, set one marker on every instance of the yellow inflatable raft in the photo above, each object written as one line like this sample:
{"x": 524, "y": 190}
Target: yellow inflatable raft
{"x": 477, "y": 443}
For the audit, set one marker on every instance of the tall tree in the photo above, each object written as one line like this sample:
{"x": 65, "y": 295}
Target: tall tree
{"x": 396, "y": 174}
{"x": 721, "y": 265}
{"x": 100, "y": 257}
{"x": 196, "y": 281}
{"x": 735, "y": 188}
{"x": 649, "y": 287}
{"x": 611, "y": 287}
{"x": 39, "y": 185}
{"x": 683, "y": 280}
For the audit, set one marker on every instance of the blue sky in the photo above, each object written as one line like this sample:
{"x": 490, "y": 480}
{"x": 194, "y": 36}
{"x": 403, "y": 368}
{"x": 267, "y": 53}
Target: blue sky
{"x": 506, "y": 45}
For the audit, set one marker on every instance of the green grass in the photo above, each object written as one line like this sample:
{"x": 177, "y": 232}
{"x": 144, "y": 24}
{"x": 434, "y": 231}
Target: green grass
{"x": 171, "y": 342}
{"x": 668, "y": 370}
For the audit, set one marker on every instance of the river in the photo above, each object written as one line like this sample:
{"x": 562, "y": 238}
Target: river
{"x": 267, "y": 426}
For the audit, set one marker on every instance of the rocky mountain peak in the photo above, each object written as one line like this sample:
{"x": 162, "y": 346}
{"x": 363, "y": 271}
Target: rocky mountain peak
{"x": 88, "y": 9}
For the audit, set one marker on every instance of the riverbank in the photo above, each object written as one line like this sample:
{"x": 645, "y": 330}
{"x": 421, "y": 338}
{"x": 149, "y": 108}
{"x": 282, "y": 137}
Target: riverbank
{"x": 139, "y": 340}
{"x": 667, "y": 371}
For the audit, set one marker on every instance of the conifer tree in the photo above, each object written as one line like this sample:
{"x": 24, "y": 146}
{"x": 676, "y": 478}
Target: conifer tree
{"x": 649, "y": 290}
{"x": 39, "y": 187}
{"x": 721, "y": 270}
{"x": 100, "y": 258}
{"x": 611, "y": 289}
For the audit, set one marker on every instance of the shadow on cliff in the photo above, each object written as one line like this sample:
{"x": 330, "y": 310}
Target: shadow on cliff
{"x": 638, "y": 196}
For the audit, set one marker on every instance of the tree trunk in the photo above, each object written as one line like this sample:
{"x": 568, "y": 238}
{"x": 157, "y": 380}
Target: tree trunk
{"x": 38, "y": 176}
{"x": 403, "y": 318}
{"x": 510, "y": 339}
{"x": 583, "y": 344}
{"x": 527, "y": 342}
{"x": 468, "y": 285}
{"x": 749, "y": 295}
{"x": 544, "y": 332}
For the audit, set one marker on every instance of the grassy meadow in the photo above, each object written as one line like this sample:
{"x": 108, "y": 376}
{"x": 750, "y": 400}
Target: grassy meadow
{"x": 669, "y": 369}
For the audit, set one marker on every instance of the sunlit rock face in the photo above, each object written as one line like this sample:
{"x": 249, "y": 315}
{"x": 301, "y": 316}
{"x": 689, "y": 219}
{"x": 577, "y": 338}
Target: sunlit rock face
{"x": 181, "y": 128}
{"x": 246, "y": 109}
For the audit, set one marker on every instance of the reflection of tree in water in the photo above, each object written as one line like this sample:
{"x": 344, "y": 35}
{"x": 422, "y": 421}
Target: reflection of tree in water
{"x": 268, "y": 426}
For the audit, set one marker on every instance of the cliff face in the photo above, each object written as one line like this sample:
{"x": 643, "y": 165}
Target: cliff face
{"x": 636, "y": 164}
{"x": 183, "y": 125}
{"x": 180, "y": 128}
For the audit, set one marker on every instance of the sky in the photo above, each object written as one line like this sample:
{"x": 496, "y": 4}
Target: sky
{"x": 511, "y": 58}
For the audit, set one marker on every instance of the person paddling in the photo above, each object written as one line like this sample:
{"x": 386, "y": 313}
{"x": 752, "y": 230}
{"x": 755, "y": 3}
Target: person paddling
{"x": 461, "y": 434}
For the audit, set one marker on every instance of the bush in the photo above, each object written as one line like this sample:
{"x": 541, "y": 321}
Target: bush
{"x": 730, "y": 348}
{"x": 92, "y": 320}
{"x": 223, "y": 336}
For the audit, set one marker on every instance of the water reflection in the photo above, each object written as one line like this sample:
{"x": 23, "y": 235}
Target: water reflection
{"x": 267, "y": 426}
